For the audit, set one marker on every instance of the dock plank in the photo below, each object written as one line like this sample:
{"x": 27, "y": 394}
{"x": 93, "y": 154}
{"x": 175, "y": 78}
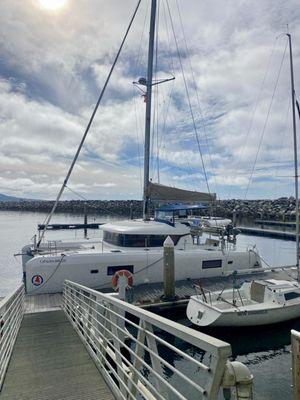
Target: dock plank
{"x": 49, "y": 362}
{"x": 150, "y": 294}
{"x": 284, "y": 235}
{"x": 42, "y": 302}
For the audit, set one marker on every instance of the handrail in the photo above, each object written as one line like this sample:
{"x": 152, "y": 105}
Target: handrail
{"x": 11, "y": 315}
{"x": 295, "y": 349}
{"x": 203, "y": 292}
{"x": 140, "y": 354}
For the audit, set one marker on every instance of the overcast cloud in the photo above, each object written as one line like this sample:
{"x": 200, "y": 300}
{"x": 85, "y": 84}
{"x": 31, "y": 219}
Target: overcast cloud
{"x": 53, "y": 65}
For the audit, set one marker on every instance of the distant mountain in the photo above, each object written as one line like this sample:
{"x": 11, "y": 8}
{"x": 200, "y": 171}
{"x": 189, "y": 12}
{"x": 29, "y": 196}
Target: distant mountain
{"x": 4, "y": 197}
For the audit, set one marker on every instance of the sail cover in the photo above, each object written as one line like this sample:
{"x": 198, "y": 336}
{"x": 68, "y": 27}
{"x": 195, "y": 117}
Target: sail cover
{"x": 157, "y": 191}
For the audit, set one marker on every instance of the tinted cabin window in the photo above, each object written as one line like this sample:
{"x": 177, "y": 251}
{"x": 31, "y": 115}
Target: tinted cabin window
{"x": 119, "y": 239}
{"x": 291, "y": 295}
{"x": 211, "y": 264}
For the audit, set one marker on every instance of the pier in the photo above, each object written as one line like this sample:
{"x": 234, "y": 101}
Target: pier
{"x": 70, "y": 226}
{"x": 84, "y": 344}
{"x": 272, "y": 233}
{"x": 150, "y": 296}
{"x": 48, "y": 355}
{"x": 283, "y": 224}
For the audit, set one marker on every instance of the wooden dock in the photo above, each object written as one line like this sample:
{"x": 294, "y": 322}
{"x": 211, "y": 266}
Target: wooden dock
{"x": 272, "y": 233}
{"x": 49, "y": 362}
{"x": 289, "y": 224}
{"x": 54, "y": 227}
{"x": 149, "y": 296}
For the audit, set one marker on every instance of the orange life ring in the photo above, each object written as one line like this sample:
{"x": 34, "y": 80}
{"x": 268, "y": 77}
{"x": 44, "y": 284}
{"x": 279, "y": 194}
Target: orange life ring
{"x": 122, "y": 272}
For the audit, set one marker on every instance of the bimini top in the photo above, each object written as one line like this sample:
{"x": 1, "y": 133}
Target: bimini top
{"x": 140, "y": 227}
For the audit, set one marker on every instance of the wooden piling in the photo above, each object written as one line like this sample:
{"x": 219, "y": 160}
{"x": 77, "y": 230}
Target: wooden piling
{"x": 85, "y": 219}
{"x": 169, "y": 270}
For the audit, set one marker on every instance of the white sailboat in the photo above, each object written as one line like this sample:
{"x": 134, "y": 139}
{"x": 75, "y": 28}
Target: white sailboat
{"x": 258, "y": 302}
{"x": 135, "y": 245}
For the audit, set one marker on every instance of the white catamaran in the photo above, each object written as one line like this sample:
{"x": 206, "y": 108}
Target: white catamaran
{"x": 135, "y": 245}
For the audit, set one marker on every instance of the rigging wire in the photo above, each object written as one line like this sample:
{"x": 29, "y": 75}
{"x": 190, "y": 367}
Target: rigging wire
{"x": 197, "y": 96}
{"x": 298, "y": 108}
{"x": 91, "y": 206}
{"x": 157, "y": 88}
{"x": 88, "y": 125}
{"x": 258, "y": 99}
{"x": 167, "y": 97}
{"x": 155, "y": 101}
{"x": 266, "y": 122}
{"x": 189, "y": 100}
{"x": 162, "y": 144}
{"x": 139, "y": 62}
{"x": 138, "y": 122}
{"x": 138, "y": 140}
{"x": 283, "y": 137}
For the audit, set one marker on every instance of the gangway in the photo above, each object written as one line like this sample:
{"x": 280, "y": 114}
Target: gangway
{"x": 131, "y": 353}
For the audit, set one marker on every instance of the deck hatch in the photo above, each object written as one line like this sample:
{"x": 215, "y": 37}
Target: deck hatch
{"x": 291, "y": 295}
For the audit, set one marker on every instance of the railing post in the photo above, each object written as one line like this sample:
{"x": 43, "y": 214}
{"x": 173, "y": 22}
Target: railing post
{"x": 85, "y": 218}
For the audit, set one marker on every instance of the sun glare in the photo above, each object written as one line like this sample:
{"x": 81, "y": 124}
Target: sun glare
{"x": 52, "y": 4}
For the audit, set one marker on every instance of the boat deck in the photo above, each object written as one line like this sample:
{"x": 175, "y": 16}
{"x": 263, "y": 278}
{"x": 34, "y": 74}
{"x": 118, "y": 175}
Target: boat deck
{"x": 49, "y": 362}
{"x": 221, "y": 305}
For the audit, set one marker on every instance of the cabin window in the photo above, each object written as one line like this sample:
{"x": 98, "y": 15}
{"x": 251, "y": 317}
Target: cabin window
{"x": 291, "y": 295}
{"x": 230, "y": 262}
{"x": 111, "y": 270}
{"x": 211, "y": 264}
{"x": 120, "y": 239}
{"x": 94, "y": 271}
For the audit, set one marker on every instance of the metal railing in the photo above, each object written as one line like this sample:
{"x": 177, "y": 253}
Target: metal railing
{"x": 142, "y": 355}
{"x": 11, "y": 315}
{"x": 202, "y": 293}
{"x": 295, "y": 349}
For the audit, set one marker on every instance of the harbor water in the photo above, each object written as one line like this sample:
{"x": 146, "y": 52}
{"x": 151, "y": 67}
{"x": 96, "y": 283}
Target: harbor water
{"x": 265, "y": 350}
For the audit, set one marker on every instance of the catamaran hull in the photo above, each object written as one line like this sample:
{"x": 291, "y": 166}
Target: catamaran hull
{"x": 46, "y": 274}
{"x": 203, "y": 315}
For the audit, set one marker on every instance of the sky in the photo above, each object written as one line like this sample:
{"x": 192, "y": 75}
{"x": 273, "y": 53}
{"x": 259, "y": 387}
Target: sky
{"x": 228, "y": 108}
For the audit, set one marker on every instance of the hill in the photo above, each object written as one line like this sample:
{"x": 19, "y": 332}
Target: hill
{"x": 4, "y": 197}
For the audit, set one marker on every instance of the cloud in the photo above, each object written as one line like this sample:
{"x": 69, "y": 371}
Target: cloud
{"x": 53, "y": 66}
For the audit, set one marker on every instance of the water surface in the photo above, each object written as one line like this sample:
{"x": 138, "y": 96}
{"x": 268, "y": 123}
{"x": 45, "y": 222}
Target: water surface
{"x": 265, "y": 350}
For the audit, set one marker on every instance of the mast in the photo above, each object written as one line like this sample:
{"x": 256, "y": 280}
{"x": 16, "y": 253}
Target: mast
{"x": 148, "y": 111}
{"x": 295, "y": 156}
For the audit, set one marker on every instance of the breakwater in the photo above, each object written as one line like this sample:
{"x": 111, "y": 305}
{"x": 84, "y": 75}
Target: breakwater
{"x": 282, "y": 209}
{"x": 121, "y": 208}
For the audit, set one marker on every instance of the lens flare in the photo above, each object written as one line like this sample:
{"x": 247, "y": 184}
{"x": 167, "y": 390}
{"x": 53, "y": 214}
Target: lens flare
{"x": 52, "y": 4}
